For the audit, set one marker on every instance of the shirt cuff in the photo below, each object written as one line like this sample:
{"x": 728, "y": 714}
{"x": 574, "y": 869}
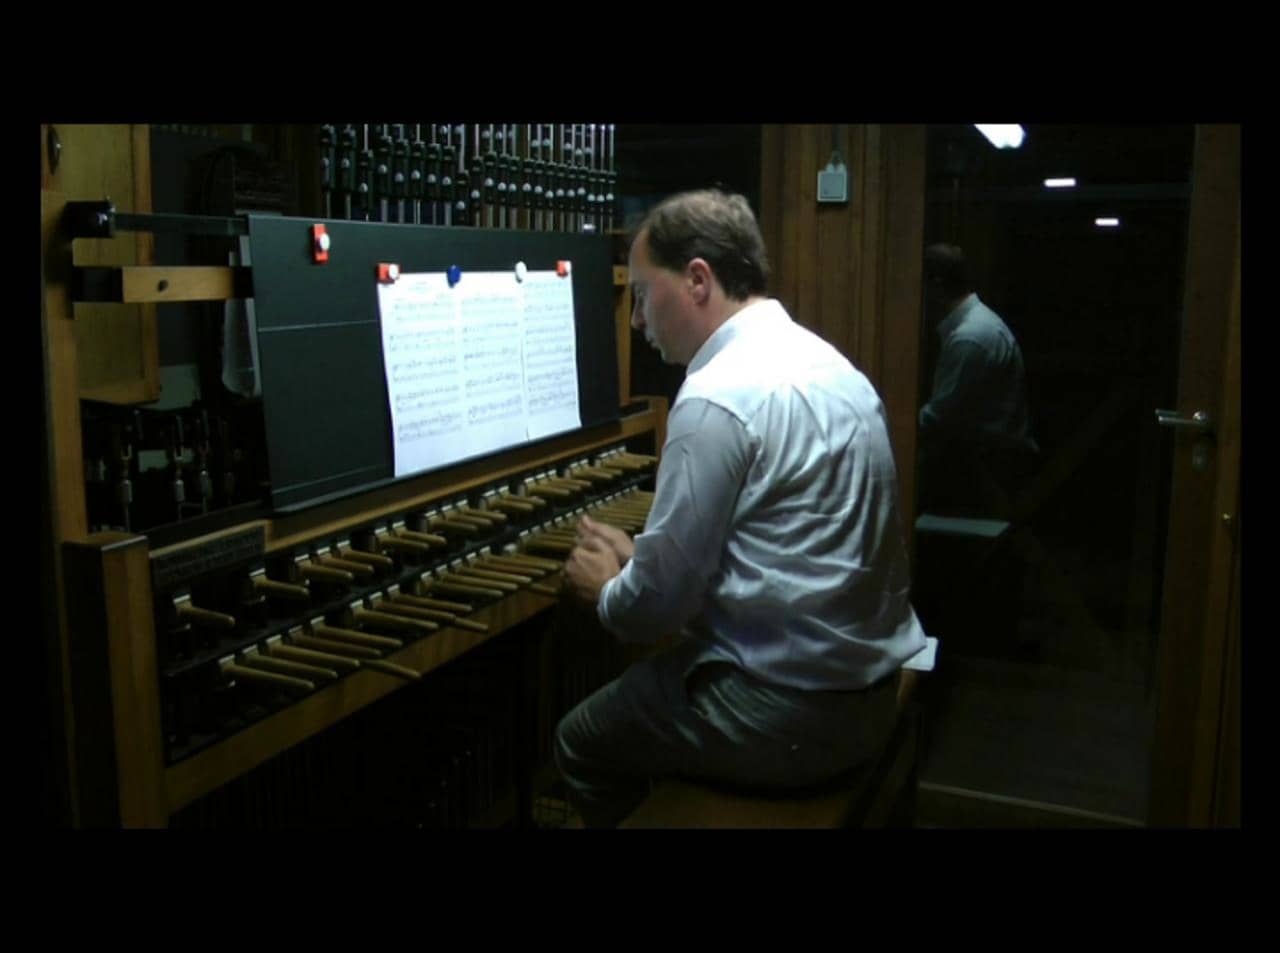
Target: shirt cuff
{"x": 601, "y": 612}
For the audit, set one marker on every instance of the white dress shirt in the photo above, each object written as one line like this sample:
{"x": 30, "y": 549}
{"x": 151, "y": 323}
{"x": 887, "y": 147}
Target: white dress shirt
{"x": 774, "y": 533}
{"x": 979, "y": 389}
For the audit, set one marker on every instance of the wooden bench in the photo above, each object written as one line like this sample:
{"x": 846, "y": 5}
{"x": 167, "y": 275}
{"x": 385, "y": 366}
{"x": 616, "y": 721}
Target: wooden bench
{"x": 878, "y": 794}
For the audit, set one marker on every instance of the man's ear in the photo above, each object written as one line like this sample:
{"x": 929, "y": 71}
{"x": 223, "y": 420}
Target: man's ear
{"x": 699, "y": 279}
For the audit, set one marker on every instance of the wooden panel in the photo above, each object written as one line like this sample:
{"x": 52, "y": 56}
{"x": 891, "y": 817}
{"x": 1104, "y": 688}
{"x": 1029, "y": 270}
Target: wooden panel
{"x": 145, "y": 244}
{"x": 62, "y": 395}
{"x": 622, "y": 329}
{"x": 900, "y": 351}
{"x": 792, "y": 248}
{"x": 1226, "y": 795}
{"x": 833, "y": 240}
{"x": 1215, "y": 793}
{"x": 135, "y": 682}
{"x": 850, "y": 336}
{"x": 66, "y": 516}
{"x": 869, "y": 314}
{"x": 808, "y": 274}
{"x": 50, "y": 180}
{"x": 118, "y": 344}
{"x": 852, "y": 272}
{"x": 770, "y": 211}
{"x": 118, "y": 751}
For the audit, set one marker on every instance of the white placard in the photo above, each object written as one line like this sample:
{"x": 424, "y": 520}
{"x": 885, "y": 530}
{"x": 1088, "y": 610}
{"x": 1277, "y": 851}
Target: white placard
{"x": 471, "y": 369}
{"x": 926, "y": 658}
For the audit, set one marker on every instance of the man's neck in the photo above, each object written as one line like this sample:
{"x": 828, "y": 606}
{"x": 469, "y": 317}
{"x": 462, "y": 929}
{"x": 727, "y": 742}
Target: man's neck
{"x": 726, "y": 310}
{"x": 729, "y": 308}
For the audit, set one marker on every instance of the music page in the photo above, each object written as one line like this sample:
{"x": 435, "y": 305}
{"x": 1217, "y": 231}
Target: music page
{"x": 486, "y": 364}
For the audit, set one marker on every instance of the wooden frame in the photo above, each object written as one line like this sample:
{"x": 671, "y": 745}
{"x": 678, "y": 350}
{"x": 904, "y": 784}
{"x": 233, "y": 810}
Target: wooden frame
{"x": 102, "y": 649}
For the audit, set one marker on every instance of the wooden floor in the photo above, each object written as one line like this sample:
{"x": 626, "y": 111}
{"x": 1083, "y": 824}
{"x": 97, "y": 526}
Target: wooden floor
{"x": 1046, "y": 727}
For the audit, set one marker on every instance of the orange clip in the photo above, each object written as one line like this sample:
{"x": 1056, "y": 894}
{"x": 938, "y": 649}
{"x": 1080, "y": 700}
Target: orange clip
{"x": 319, "y": 244}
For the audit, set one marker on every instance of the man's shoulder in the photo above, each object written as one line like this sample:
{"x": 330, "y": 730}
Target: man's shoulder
{"x": 980, "y": 325}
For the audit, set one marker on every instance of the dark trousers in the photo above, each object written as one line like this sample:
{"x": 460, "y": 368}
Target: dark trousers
{"x": 679, "y": 714}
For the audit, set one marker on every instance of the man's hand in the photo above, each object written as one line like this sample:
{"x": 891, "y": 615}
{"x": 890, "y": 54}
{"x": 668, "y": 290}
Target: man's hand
{"x": 591, "y": 564}
{"x": 615, "y": 539}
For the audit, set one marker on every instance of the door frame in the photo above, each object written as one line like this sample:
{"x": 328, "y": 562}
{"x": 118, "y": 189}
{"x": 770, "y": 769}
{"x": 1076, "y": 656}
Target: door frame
{"x": 1197, "y": 660}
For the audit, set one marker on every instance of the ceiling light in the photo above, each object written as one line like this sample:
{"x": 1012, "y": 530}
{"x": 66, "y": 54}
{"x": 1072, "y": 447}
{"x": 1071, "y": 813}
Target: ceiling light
{"x": 1003, "y": 137}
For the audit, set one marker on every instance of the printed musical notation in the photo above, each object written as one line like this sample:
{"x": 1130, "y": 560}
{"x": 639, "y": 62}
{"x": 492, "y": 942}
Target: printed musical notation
{"x": 484, "y": 365}
{"x": 550, "y": 356}
{"x": 436, "y": 424}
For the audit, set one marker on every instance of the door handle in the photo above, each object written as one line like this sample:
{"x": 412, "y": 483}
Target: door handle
{"x": 1199, "y": 421}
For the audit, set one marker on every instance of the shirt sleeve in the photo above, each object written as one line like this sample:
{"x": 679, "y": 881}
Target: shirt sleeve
{"x": 704, "y": 464}
{"x": 951, "y": 411}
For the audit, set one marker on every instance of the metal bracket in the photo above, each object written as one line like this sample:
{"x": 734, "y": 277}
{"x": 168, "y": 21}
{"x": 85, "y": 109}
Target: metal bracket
{"x": 54, "y": 146}
{"x": 101, "y": 220}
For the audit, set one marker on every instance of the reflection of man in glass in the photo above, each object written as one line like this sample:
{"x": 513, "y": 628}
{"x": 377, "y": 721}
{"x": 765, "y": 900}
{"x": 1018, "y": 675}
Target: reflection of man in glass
{"x": 975, "y": 430}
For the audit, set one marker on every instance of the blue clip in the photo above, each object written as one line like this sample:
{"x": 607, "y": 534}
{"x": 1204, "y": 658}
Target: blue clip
{"x": 455, "y": 275}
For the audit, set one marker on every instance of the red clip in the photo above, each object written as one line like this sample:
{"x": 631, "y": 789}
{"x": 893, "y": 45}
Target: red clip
{"x": 319, "y": 244}
{"x": 562, "y": 268}
{"x": 388, "y": 273}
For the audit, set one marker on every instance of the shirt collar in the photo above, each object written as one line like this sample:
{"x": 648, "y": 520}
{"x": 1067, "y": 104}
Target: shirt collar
{"x": 952, "y": 320}
{"x": 751, "y": 315}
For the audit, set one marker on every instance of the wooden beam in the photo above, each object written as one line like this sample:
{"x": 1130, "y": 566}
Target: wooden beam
{"x": 149, "y": 337}
{"x": 869, "y": 313}
{"x": 622, "y": 330}
{"x": 120, "y": 345}
{"x": 116, "y": 686}
{"x": 1217, "y": 739}
{"x": 66, "y": 515}
{"x": 903, "y": 265}
{"x": 162, "y": 284}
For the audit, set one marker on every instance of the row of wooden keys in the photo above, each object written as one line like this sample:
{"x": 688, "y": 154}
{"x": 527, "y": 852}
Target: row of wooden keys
{"x": 320, "y": 651}
{"x": 324, "y": 572}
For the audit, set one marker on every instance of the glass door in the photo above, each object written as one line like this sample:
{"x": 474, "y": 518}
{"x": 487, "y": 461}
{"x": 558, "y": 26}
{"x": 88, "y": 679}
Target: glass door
{"x": 1051, "y": 332}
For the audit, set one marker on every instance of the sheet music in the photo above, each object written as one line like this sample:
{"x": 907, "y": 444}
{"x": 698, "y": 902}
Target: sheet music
{"x": 481, "y": 366}
{"x": 550, "y": 355}
{"x": 421, "y": 354}
{"x": 493, "y": 387}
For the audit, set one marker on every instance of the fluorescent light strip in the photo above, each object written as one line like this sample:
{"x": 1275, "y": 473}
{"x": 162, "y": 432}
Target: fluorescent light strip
{"x": 1107, "y": 222}
{"x": 1059, "y": 183}
{"x": 1008, "y": 136}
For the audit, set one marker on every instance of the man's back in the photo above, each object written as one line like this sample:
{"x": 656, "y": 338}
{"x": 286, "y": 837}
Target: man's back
{"x": 979, "y": 393}
{"x": 812, "y": 589}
